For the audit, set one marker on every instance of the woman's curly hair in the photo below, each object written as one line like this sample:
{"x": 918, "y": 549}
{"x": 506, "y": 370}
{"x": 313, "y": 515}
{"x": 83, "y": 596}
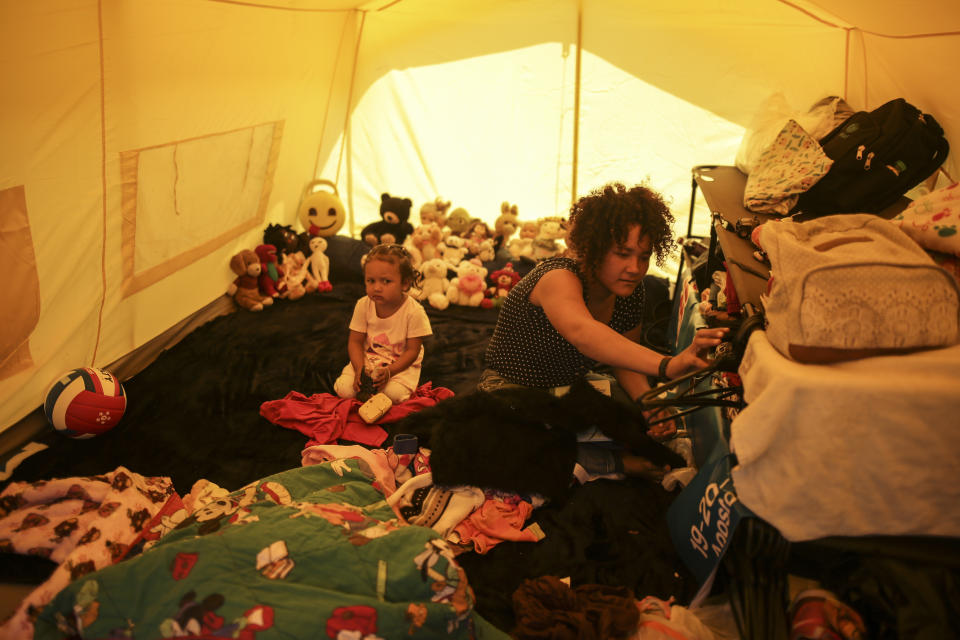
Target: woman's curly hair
{"x": 602, "y": 220}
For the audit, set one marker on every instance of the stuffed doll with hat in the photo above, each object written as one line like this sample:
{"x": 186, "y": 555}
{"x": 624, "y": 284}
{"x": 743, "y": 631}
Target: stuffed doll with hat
{"x": 502, "y": 281}
{"x": 393, "y": 226}
{"x": 245, "y": 288}
{"x": 271, "y": 273}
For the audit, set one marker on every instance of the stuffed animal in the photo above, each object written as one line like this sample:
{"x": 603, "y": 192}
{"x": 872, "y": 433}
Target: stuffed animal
{"x": 433, "y": 289}
{"x": 485, "y": 251}
{"x": 318, "y": 264}
{"x": 475, "y": 233}
{"x": 505, "y": 225}
{"x": 469, "y": 285}
{"x": 452, "y": 250}
{"x": 271, "y": 273}
{"x": 393, "y": 227}
{"x": 522, "y": 246}
{"x": 502, "y": 281}
{"x": 457, "y": 222}
{"x": 283, "y": 238}
{"x": 549, "y": 240}
{"x": 245, "y": 288}
{"x": 423, "y": 242}
{"x": 321, "y": 211}
{"x": 435, "y": 212}
{"x": 297, "y": 276}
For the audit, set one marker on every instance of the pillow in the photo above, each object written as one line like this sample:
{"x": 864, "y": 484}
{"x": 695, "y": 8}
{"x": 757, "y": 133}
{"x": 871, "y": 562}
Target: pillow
{"x": 345, "y": 254}
{"x": 793, "y": 163}
{"x": 932, "y": 220}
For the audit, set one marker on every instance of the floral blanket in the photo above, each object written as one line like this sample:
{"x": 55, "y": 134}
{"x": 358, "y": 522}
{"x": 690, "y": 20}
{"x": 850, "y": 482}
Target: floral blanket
{"x": 311, "y": 552}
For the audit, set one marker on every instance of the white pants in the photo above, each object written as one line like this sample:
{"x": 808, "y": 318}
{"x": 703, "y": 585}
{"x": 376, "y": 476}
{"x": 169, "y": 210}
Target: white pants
{"x": 343, "y": 387}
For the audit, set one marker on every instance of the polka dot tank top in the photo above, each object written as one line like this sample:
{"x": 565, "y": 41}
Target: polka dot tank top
{"x": 526, "y": 349}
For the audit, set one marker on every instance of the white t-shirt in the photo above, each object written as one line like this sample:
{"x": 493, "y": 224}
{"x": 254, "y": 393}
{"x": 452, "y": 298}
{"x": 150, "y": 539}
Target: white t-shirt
{"x": 387, "y": 337}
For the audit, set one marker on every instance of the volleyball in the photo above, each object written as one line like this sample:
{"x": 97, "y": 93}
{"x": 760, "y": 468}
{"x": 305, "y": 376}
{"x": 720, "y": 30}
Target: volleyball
{"x": 85, "y": 402}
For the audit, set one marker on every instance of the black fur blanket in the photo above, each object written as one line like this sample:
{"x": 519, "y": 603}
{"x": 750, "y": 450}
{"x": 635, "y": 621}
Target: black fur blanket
{"x": 524, "y": 440}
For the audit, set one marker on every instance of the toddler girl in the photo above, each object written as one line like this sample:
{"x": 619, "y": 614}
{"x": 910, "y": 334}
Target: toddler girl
{"x": 386, "y": 332}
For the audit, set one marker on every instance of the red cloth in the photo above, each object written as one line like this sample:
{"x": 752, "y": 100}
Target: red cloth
{"x": 327, "y": 418}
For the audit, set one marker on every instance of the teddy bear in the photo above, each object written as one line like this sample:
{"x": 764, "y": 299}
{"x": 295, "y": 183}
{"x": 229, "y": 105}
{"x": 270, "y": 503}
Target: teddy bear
{"x": 522, "y": 246}
{"x": 423, "y": 242}
{"x": 245, "y": 288}
{"x": 393, "y": 226}
{"x": 505, "y": 225}
{"x": 453, "y": 249}
{"x": 318, "y": 264}
{"x": 435, "y": 212}
{"x": 469, "y": 285}
{"x": 485, "y": 251}
{"x": 435, "y": 283}
{"x": 549, "y": 240}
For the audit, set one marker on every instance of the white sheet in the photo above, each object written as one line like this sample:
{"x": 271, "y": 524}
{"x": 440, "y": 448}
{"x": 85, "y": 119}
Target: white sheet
{"x": 866, "y": 447}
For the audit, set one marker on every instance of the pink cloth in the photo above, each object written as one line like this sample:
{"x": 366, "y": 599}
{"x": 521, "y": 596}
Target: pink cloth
{"x": 497, "y": 520}
{"x": 378, "y": 459}
{"x": 326, "y": 418}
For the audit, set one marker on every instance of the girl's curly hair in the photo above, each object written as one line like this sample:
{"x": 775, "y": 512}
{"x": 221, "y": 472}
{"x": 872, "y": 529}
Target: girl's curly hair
{"x": 602, "y": 220}
{"x": 398, "y": 255}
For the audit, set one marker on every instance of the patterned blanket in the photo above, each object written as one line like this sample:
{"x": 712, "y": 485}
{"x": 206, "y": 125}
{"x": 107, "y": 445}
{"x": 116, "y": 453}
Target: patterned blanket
{"x": 311, "y": 552}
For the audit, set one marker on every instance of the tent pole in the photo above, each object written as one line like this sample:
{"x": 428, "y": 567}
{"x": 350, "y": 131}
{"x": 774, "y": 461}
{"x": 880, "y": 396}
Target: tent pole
{"x": 346, "y": 125}
{"x": 576, "y": 104}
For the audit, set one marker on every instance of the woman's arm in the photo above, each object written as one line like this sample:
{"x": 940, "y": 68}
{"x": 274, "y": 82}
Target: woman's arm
{"x": 560, "y": 294}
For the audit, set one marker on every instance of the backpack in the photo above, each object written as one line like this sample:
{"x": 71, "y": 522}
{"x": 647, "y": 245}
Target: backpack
{"x": 853, "y": 285}
{"x": 877, "y": 157}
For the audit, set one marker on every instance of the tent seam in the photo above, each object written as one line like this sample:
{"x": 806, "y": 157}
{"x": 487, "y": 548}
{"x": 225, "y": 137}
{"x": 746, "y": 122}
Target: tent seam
{"x": 103, "y": 187}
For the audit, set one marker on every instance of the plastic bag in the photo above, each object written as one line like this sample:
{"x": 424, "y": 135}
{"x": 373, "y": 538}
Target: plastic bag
{"x": 772, "y": 116}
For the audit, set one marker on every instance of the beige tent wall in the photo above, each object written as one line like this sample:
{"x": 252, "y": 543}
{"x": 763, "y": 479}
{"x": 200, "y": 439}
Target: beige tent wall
{"x": 145, "y": 142}
{"x": 663, "y": 86}
{"x": 480, "y": 108}
{"x": 150, "y": 141}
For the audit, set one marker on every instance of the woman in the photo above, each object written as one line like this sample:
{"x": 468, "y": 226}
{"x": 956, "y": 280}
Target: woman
{"x": 573, "y": 314}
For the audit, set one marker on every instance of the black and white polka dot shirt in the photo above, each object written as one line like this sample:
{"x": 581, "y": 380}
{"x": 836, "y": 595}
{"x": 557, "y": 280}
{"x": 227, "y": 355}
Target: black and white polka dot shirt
{"x": 526, "y": 349}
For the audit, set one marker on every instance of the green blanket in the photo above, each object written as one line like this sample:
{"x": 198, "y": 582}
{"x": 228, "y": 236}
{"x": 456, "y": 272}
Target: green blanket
{"x": 313, "y": 552}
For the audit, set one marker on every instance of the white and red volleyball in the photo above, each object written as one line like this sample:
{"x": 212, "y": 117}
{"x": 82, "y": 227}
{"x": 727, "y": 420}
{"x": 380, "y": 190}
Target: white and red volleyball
{"x": 85, "y": 402}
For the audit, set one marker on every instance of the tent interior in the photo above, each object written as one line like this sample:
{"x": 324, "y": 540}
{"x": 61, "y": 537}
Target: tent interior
{"x": 148, "y": 142}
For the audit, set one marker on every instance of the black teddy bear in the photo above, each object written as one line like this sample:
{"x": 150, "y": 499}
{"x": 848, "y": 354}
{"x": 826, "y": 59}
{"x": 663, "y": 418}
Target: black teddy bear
{"x": 393, "y": 227}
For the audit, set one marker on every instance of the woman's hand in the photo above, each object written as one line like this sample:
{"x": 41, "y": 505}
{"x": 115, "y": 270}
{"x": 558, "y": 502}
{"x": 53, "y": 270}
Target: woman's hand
{"x": 662, "y": 430}
{"x": 695, "y": 355}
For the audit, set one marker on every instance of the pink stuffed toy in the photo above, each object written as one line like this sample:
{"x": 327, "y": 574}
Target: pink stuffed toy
{"x": 469, "y": 286}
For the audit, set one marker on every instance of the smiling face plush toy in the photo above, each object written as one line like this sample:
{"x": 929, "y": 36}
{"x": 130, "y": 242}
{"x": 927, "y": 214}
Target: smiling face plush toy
{"x": 321, "y": 212}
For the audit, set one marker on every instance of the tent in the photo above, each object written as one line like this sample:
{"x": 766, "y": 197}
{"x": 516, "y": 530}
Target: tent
{"x": 146, "y": 142}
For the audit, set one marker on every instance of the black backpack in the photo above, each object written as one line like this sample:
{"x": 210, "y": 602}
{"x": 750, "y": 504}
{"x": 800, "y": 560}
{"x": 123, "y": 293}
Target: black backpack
{"x": 877, "y": 157}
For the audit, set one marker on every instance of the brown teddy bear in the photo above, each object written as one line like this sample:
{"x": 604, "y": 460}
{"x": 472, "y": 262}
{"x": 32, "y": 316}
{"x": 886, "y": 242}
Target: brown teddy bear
{"x": 245, "y": 288}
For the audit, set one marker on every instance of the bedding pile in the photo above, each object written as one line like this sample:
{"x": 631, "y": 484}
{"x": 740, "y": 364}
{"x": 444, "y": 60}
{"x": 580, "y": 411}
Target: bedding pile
{"x": 265, "y": 512}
